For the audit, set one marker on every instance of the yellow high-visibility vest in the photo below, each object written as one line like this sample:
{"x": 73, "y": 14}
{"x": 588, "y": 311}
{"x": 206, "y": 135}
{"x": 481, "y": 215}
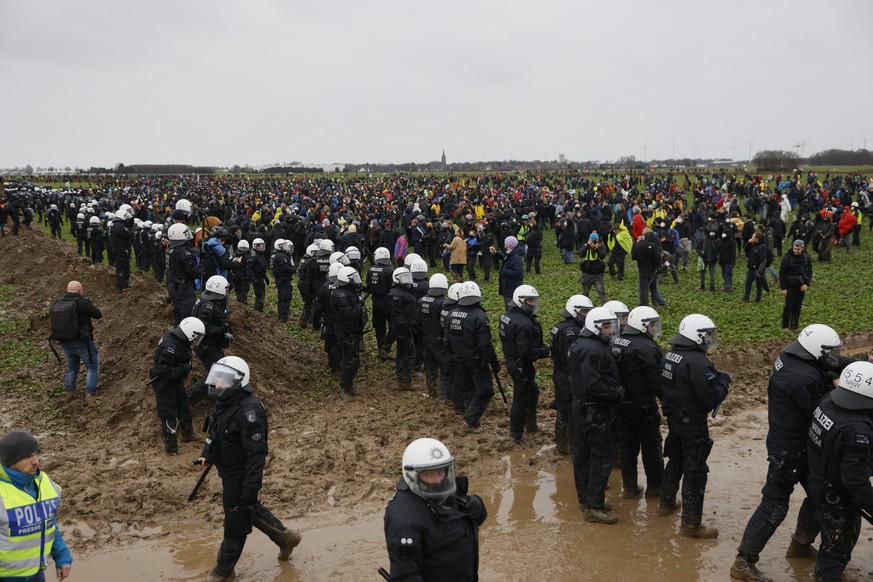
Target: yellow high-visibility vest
{"x": 27, "y": 526}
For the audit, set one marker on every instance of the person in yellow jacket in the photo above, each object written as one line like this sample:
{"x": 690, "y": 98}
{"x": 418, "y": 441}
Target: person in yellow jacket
{"x": 29, "y": 502}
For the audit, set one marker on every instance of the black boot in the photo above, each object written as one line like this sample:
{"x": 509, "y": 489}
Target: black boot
{"x": 286, "y": 539}
{"x": 562, "y": 442}
{"x": 187, "y": 430}
{"x": 168, "y": 431}
{"x": 228, "y": 555}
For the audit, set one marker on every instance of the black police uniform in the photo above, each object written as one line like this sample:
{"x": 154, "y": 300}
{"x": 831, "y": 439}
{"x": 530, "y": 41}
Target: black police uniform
{"x": 562, "y": 336}
{"x": 431, "y": 330}
{"x": 692, "y": 389}
{"x": 82, "y": 245}
{"x": 467, "y": 334}
{"x": 171, "y": 366}
{"x": 120, "y": 239}
{"x": 521, "y": 336}
{"x": 419, "y": 289}
{"x": 349, "y": 316}
{"x": 54, "y": 219}
{"x": 404, "y": 318}
{"x": 431, "y": 541}
{"x": 304, "y": 287}
{"x": 159, "y": 257}
{"x": 283, "y": 271}
{"x": 238, "y": 448}
{"x": 182, "y": 274}
{"x": 447, "y": 369}
{"x": 840, "y": 467}
{"x": 639, "y": 422}
{"x": 240, "y": 276}
{"x": 379, "y": 286}
{"x": 95, "y": 241}
{"x": 596, "y": 389}
{"x": 321, "y": 311}
{"x": 107, "y": 243}
{"x": 256, "y": 269}
{"x": 213, "y": 313}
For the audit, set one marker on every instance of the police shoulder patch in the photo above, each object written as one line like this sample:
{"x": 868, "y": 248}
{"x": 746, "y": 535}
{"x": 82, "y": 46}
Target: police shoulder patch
{"x": 710, "y": 376}
{"x": 862, "y": 439}
{"x": 251, "y": 416}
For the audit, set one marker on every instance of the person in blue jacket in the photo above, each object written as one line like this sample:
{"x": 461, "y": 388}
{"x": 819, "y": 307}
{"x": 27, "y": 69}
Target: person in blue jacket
{"x": 29, "y": 502}
{"x": 512, "y": 271}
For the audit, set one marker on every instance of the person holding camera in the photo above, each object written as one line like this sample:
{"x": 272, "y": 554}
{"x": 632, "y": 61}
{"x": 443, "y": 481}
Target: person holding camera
{"x": 593, "y": 266}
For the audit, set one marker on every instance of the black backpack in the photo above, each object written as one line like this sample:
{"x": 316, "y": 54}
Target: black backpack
{"x": 64, "y": 317}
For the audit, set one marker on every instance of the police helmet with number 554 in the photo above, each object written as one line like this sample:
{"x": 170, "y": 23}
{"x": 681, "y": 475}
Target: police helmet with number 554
{"x": 855, "y": 389}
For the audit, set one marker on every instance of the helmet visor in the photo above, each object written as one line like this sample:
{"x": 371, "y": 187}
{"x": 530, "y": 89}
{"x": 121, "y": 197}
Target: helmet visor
{"x": 653, "y": 328}
{"x": 830, "y": 355}
{"x": 405, "y": 279}
{"x": 222, "y": 380}
{"x": 433, "y": 482}
{"x": 530, "y": 304}
{"x": 606, "y": 328}
{"x": 710, "y": 340}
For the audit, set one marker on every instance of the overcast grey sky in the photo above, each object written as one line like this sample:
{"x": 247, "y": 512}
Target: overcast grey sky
{"x": 216, "y": 82}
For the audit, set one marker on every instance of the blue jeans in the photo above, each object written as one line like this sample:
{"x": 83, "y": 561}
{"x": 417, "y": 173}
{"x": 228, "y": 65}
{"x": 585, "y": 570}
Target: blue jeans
{"x": 76, "y": 352}
{"x": 568, "y": 256}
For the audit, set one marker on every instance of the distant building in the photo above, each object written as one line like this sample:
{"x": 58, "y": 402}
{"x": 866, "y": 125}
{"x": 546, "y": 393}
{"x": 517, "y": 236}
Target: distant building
{"x": 443, "y": 159}
{"x": 562, "y": 159}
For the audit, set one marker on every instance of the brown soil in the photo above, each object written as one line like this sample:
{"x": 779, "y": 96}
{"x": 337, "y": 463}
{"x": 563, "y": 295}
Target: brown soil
{"x": 326, "y": 453}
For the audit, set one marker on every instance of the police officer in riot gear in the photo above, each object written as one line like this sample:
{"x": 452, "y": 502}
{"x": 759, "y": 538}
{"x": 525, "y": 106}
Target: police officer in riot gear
{"x": 431, "y": 330}
{"x": 237, "y": 446}
{"x": 120, "y": 238}
{"x": 596, "y": 389}
{"x": 840, "y": 467}
{"x": 171, "y": 366}
{"x": 562, "y": 336}
{"x": 639, "y": 422}
{"x": 379, "y": 281}
{"x": 211, "y": 309}
{"x": 95, "y": 239}
{"x": 798, "y": 381}
{"x": 282, "y": 264}
{"x": 304, "y": 285}
{"x": 693, "y": 388}
{"x": 241, "y": 281}
{"x": 256, "y": 269}
{"x": 349, "y": 317}
{"x": 182, "y": 271}
{"x": 404, "y": 319}
{"x": 322, "y": 319}
{"x": 521, "y": 336}
{"x": 431, "y": 523}
{"x": 467, "y": 335}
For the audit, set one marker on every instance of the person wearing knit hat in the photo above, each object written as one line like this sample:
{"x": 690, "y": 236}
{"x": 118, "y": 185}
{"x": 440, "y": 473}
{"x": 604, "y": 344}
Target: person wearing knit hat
{"x": 512, "y": 268}
{"x": 593, "y": 267}
{"x": 30, "y": 500}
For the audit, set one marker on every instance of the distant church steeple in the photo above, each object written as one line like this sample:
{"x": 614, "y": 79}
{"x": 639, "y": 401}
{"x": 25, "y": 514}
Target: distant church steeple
{"x": 443, "y": 159}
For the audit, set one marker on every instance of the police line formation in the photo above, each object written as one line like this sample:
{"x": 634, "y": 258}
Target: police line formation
{"x": 609, "y": 372}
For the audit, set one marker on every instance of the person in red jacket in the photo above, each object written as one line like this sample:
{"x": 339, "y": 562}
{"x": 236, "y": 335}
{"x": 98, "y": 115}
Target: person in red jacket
{"x": 847, "y": 224}
{"x": 637, "y": 224}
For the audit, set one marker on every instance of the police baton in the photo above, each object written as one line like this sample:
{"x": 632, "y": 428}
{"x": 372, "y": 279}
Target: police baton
{"x": 499, "y": 385}
{"x": 384, "y": 573}
{"x": 199, "y": 481}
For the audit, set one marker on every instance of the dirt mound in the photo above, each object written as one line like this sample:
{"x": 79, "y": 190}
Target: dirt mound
{"x": 324, "y": 451}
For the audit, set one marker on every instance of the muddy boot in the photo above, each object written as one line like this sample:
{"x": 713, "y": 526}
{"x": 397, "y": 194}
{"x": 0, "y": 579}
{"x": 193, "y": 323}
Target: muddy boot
{"x": 404, "y": 385}
{"x": 286, "y": 539}
{"x": 302, "y": 322}
{"x": 530, "y": 422}
{"x": 516, "y": 438}
{"x": 653, "y": 492}
{"x": 604, "y": 516}
{"x": 228, "y": 555}
{"x": 337, "y": 375}
{"x": 432, "y": 386}
{"x": 562, "y": 442}
{"x": 168, "y": 431}
{"x": 745, "y": 569}
{"x": 798, "y": 549}
{"x": 665, "y": 508}
{"x": 701, "y": 532}
{"x": 631, "y": 491}
{"x": 187, "y": 430}
{"x": 384, "y": 354}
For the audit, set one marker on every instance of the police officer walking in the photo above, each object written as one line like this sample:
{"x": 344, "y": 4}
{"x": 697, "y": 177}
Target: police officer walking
{"x": 211, "y": 309}
{"x": 171, "y": 366}
{"x": 521, "y": 336}
{"x": 349, "y": 317}
{"x": 562, "y": 336}
{"x": 431, "y": 523}
{"x": 404, "y": 318}
{"x": 237, "y": 446}
{"x": 839, "y": 453}
{"x": 693, "y": 388}
{"x": 798, "y": 381}
{"x": 596, "y": 388}
{"x": 467, "y": 334}
{"x": 639, "y": 422}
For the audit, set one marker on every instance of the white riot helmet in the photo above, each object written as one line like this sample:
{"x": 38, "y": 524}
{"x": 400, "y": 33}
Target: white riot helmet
{"x": 137, "y": 222}
{"x": 437, "y": 285}
{"x": 311, "y": 250}
{"x": 216, "y": 286}
{"x": 287, "y": 247}
{"x": 277, "y": 244}
{"x": 333, "y": 272}
{"x": 147, "y": 224}
{"x": 526, "y": 298}
{"x": 353, "y": 253}
{"x": 110, "y": 216}
{"x": 159, "y": 235}
{"x": 124, "y": 212}
{"x": 53, "y": 207}
{"x": 184, "y": 206}
{"x": 469, "y": 293}
{"x": 348, "y": 276}
{"x": 94, "y": 220}
{"x": 818, "y": 342}
{"x": 258, "y": 244}
{"x": 226, "y": 377}
{"x": 157, "y": 227}
{"x": 418, "y": 269}
{"x": 409, "y": 259}
{"x": 700, "y": 330}
{"x": 454, "y": 292}
{"x": 402, "y": 276}
{"x": 619, "y": 309}
{"x": 338, "y": 257}
{"x": 602, "y": 322}
{"x": 382, "y": 256}
{"x": 243, "y": 246}
{"x": 645, "y": 320}
{"x": 80, "y": 216}
{"x": 429, "y": 469}
{"x": 193, "y": 330}
{"x": 179, "y": 234}
{"x": 855, "y": 388}
{"x": 325, "y": 247}
{"x": 577, "y": 307}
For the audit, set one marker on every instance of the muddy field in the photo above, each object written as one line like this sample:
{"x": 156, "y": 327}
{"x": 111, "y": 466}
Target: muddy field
{"x": 333, "y": 463}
